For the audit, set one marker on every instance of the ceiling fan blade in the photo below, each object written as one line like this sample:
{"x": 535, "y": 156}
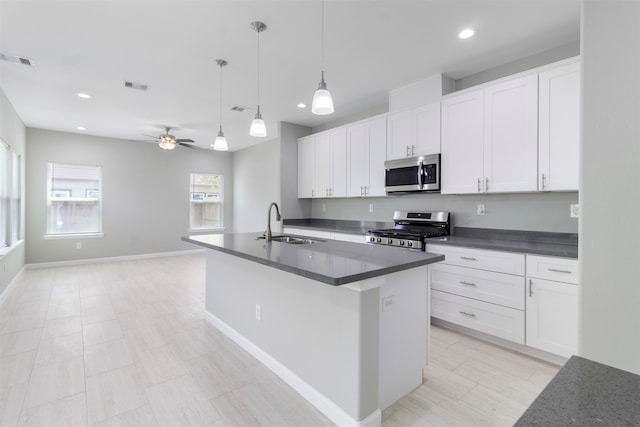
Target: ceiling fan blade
{"x": 193, "y": 147}
{"x": 143, "y": 140}
{"x": 150, "y": 136}
{"x": 190, "y": 141}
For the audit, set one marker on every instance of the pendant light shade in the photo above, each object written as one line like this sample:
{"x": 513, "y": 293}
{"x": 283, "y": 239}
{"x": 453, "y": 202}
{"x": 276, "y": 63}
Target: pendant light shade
{"x": 258, "y": 128}
{"x": 322, "y": 101}
{"x": 220, "y": 143}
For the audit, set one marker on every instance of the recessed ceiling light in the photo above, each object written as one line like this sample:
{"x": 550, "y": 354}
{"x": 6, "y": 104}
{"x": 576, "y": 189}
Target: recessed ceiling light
{"x": 83, "y": 95}
{"x": 81, "y": 128}
{"x": 302, "y": 105}
{"x": 466, "y": 33}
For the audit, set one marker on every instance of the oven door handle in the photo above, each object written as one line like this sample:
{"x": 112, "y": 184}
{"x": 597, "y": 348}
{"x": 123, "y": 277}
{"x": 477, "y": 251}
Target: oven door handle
{"x": 420, "y": 175}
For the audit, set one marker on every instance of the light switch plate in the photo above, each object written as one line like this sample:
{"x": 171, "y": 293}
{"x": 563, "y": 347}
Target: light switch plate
{"x": 370, "y": 207}
{"x": 575, "y": 211}
{"x": 481, "y": 210}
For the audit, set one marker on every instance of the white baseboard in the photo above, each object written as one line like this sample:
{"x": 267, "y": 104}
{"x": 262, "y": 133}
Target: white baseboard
{"x": 317, "y": 399}
{"x": 112, "y": 259}
{"x": 11, "y": 284}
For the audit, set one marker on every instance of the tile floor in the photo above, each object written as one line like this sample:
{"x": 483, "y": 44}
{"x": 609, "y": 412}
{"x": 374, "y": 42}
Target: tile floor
{"x": 125, "y": 344}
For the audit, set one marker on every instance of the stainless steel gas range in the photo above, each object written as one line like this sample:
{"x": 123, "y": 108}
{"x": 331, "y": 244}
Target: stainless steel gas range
{"x": 411, "y": 229}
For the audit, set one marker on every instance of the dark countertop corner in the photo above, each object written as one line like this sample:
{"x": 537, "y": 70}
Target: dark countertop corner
{"x": 586, "y": 393}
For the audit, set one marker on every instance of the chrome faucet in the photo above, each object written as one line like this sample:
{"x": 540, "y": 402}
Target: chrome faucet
{"x": 268, "y": 235}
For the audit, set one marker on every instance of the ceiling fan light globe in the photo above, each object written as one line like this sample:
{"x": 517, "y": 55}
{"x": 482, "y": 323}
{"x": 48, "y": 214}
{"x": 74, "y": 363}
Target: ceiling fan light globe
{"x": 167, "y": 144}
{"x": 322, "y": 102}
{"x": 258, "y": 128}
{"x": 220, "y": 143}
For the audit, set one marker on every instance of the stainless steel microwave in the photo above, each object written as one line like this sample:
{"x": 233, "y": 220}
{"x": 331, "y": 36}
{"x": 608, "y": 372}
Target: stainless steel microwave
{"x": 420, "y": 173}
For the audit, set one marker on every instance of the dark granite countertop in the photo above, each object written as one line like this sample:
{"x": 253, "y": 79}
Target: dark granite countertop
{"x": 586, "y": 393}
{"x": 530, "y": 242}
{"x": 329, "y": 261}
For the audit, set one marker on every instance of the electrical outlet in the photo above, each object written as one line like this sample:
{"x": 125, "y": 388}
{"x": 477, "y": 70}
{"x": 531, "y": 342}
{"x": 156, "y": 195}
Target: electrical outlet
{"x": 387, "y": 303}
{"x": 574, "y": 211}
{"x": 481, "y": 210}
{"x": 258, "y": 312}
{"x": 78, "y": 245}
{"x": 370, "y": 207}
{"x": 324, "y": 207}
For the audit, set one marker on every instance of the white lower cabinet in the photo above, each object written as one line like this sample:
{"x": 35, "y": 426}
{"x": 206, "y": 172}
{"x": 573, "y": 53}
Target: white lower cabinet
{"x": 479, "y": 289}
{"x": 552, "y": 304}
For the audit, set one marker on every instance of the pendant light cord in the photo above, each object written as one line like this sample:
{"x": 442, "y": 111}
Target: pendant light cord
{"x": 322, "y": 42}
{"x": 220, "y": 101}
{"x": 258, "y": 69}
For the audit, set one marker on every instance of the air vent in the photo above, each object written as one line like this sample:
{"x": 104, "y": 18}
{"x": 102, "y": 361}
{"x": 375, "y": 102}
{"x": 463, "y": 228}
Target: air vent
{"x": 16, "y": 59}
{"x": 238, "y": 109}
{"x": 138, "y": 86}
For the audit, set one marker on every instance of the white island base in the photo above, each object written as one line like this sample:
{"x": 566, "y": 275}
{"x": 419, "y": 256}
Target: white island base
{"x": 350, "y": 350}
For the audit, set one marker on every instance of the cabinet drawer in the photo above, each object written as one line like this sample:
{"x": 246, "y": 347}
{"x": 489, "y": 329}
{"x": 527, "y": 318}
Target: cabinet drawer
{"x": 496, "y": 288}
{"x": 553, "y": 268}
{"x": 502, "y": 262}
{"x": 492, "y": 319}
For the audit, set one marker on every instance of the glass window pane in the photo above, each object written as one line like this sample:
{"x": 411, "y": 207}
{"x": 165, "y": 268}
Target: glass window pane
{"x": 74, "y": 198}
{"x": 206, "y": 201}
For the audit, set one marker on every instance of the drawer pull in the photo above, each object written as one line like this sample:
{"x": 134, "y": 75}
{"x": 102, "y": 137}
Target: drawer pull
{"x": 530, "y": 287}
{"x": 467, "y": 314}
{"x": 468, "y": 258}
{"x": 467, "y": 283}
{"x": 555, "y": 270}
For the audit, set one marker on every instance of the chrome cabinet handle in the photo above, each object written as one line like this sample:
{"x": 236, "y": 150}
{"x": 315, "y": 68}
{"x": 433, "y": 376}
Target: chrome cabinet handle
{"x": 361, "y": 190}
{"x": 530, "y": 287}
{"x": 479, "y": 181}
{"x": 313, "y": 193}
{"x": 467, "y": 283}
{"x": 366, "y": 190}
{"x": 555, "y": 270}
{"x": 467, "y": 314}
{"x": 468, "y": 258}
{"x": 413, "y": 150}
{"x": 486, "y": 184}
{"x": 407, "y": 151}
{"x": 543, "y": 181}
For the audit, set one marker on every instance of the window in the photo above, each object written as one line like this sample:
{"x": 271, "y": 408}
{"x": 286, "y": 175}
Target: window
{"x": 74, "y": 201}
{"x": 206, "y": 201}
{"x": 10, "y": 196}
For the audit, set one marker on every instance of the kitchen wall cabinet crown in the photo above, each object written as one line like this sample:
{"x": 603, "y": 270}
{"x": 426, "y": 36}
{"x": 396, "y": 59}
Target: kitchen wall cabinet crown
{"x": 414, "y": 132}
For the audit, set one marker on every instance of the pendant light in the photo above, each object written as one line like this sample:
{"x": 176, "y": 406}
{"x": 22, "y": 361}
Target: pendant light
{"x": 220, "y": 143}
{"x": 322, "y": 102}
{"x": 258, "y": 128}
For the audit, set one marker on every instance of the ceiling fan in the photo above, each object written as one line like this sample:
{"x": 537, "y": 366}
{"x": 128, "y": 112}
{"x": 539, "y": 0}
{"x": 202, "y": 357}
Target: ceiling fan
{"x": 167, "y": 141}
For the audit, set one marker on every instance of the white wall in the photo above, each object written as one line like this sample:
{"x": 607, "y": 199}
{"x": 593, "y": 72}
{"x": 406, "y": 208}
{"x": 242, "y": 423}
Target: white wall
{"x": 256, "y": 180}
{"x": 12, "y": 132}
{"x": 610, "y": 184}
{"x": 145, "y": 194}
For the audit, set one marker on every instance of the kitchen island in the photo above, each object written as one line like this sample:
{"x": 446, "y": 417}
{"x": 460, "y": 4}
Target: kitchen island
{"x": 344, "y": 324}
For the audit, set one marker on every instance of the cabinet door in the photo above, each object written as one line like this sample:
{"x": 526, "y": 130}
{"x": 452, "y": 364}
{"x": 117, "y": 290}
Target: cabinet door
{"x": 306, "y": 167}
{"x": 357, "y": 159}
{"x": 427, "y": 129}
{"x": 377, "y": 156}
{"x": 401, "y": 135}
{"x": 462, "y": 143}
{"x": 552, "y": 316}
{"x": 323, "y": 164}
{"x": 338, "y": 186}
{"x": 559, "y": 127}
{"x": 511, "y": 136}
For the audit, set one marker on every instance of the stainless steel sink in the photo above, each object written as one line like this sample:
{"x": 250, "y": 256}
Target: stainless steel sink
{"x": 293, "y": 240}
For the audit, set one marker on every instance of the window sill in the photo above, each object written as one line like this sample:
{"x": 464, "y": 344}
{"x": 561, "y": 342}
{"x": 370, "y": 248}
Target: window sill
{"x": 205, "y": 230}
{"x": 72, "y": 236}
{"x": 7, "y": 249}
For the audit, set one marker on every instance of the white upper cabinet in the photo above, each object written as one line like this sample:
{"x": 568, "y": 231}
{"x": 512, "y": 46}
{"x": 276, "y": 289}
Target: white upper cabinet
{"x": 331, "y": 156}
{"x": 489, "y": 138}
{"x": 511, "y": 135}
{"x": 366, "y": 153}
{"x": 462, "y": 143}
{"x": 307, "y": 182}
{"x": 414, "y": 132}
{"x": 559, "y": 122}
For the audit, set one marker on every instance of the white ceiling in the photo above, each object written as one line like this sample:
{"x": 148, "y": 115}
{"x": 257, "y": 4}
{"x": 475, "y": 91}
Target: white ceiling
{"x": 370, "y": 48}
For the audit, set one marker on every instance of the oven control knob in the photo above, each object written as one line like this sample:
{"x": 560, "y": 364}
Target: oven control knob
{"x": 390, "y": 241}
{"x": 401, "y": 242}
{"x": 409, "y": 243}
{"x": 378, "y": 240}
{"x": 372, "y": 239}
